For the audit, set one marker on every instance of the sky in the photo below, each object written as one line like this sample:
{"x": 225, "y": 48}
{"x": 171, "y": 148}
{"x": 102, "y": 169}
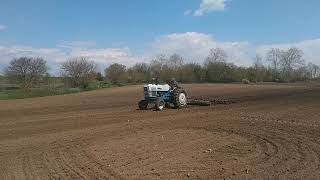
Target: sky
{"x": 131, "y": 31}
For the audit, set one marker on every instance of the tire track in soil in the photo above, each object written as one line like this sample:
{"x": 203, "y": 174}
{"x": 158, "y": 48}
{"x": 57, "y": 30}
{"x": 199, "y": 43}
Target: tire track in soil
{"x": 63, "y": 163}
{"x": 283, "y": 155}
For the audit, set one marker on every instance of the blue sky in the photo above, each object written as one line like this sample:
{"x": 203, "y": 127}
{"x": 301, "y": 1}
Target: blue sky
{"x": 128, "y": 31}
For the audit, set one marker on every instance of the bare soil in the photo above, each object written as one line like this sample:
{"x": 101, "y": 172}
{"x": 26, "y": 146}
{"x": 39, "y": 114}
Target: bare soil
{"x": 271, "y": 132}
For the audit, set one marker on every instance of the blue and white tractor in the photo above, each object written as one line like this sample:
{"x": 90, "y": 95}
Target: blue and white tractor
{"x": 167, "y": 95}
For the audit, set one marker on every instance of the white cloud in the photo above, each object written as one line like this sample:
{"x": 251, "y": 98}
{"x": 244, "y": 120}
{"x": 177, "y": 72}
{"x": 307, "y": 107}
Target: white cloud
{"x": 55, "y": 56}
{"x": 107, "y": 55}
{"x": 208, "y": 6}
{"x": 193, "y": 46}
{"x": 7, "y": 53}
{"x": 75, "y": 44}
{"x": 311, "y": 49}
{"x": 196, "y": 46}
{"x": 3, "y": 27}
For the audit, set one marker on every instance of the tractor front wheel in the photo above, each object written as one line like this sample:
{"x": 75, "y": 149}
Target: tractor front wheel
{"x": 143, "y": 105}
{"x": 160, "y": 104}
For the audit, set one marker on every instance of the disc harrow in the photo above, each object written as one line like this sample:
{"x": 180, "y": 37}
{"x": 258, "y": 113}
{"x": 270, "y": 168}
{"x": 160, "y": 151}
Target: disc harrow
{"x": 206, "y": 102}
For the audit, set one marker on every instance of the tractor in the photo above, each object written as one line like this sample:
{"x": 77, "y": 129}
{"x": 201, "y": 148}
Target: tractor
{"x": 166, "y": 95}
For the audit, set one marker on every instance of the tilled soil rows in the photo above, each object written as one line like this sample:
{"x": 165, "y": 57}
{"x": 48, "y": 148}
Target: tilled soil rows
{"x": 270, "y": 132}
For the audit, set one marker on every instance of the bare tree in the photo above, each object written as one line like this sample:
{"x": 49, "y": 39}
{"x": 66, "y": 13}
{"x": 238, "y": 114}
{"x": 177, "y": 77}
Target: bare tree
{"x": 314, "y": 70}
{"x": 175, "y": 61}
{"x": 116, "y": 73}
{"x": 99, "y": 76}
{"x": 257, "y": 61}
{"x": 27, "y": 71}
{"x": 80, "y": 71}
{"x": 291, "y": 60}
{"x": 274, "y": 57}
{"x": 258, "y": 68}
{"x": 140, "y": 72}
{"x": 317, "y": 71}
{"x": 158, "y": 66}
{"x": 172, "y": 67}
{"x": 216, "y": 55}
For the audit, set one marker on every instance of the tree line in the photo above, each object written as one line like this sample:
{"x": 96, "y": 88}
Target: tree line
{"x": 277, "y": 65}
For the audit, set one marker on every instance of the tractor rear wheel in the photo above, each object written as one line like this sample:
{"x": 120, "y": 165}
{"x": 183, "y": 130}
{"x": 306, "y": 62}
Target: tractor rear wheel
{"x": 143, "y": 104}
{"x": 179, "y": 98}
{"x": 160, "y": 104}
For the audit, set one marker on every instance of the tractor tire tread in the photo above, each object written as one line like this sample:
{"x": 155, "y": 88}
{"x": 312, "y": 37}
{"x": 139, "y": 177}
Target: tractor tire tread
{"x": 176, "y": 93}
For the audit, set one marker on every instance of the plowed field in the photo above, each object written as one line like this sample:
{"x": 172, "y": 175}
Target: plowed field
{"x": 271, "y": 132}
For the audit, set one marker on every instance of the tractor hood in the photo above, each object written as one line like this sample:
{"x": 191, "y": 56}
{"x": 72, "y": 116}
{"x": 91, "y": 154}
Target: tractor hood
{"x": 154, "y": 87}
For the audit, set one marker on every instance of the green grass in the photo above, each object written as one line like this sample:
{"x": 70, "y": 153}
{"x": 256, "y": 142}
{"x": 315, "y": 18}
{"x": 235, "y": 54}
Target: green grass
{"x": 38, "y": 92}
{"x": 12, "y": 92}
